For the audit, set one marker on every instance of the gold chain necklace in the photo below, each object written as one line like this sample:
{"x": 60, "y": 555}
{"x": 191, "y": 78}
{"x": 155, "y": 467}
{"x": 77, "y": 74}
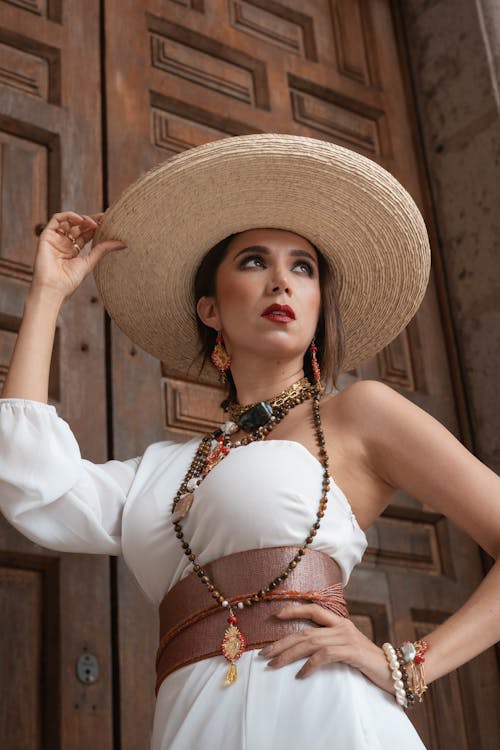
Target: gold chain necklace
{"x": 235, "y": 410}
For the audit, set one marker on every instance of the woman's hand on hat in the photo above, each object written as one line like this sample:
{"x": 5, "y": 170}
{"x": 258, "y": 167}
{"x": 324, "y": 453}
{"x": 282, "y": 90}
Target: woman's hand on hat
{"x": 59, "y": 264}
{"x": 339, "y": 640}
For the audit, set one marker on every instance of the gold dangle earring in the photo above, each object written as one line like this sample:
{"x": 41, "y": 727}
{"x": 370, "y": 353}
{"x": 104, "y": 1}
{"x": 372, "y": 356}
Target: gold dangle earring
{"x": 220, "y": 358}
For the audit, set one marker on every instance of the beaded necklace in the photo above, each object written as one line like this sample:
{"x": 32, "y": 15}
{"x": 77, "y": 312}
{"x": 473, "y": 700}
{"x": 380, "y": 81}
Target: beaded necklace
{"x": 212, "y": 449}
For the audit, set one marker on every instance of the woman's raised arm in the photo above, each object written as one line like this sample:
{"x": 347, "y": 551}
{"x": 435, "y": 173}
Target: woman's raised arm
{"x": 59, "y": 269}
{"x": 47, "y": 490}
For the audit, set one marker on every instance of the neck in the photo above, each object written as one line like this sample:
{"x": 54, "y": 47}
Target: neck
{"x": 262, "y": 382}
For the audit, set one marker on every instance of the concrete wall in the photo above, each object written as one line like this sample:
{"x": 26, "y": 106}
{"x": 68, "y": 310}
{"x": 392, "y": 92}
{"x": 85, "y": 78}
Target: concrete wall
{"x": 454, "y": 53}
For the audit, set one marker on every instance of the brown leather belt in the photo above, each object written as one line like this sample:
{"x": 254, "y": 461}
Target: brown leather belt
{"x": 192, "y": 625}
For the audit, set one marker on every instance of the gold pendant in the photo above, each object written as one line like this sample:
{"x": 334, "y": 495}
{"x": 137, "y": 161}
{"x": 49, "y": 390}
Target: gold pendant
{"x": 232, "y": 675}
{"x": 233, "y": 645}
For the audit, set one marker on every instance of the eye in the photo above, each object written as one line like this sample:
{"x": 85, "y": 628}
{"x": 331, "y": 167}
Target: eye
{"x": 304, "y": 267}
{"x": 253, "y": 261}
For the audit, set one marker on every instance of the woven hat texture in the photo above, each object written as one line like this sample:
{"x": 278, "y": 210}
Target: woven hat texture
{"x": 357, "y": 214}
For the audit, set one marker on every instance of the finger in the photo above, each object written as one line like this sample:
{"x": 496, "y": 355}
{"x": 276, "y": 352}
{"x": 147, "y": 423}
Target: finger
{"x": 87, "y": 224}
{"x": 62, "y": 225}
{"x": 86, "y": 236}
{"x": 98, "y": 217}
{"x": 73, "y": 233}
{"x": 71, "y": 224}
{"x": 94, "y": 222}
{"x": 273, "y": 649}
{"x": 313, "y": 612}
{"x": 325, "y": 655}
{"x": 69, "y": 253}
{"x": 88, "y": 233}
{"x": 64, "y": 217}
{"x": 83, "y": 231}
{"x": 299, "y": 651}
{"x": 100, "y": 250}
{"x": 90, "y": 221}
{"x": 80, "y": 220}
{"x": 71, "y": 237}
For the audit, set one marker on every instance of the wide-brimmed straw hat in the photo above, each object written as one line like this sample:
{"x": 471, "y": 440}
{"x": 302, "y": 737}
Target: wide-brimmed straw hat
{"x": 356, "y": 213}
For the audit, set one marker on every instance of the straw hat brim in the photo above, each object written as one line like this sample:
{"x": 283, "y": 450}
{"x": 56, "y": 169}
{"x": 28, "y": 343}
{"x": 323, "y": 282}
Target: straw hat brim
{"x": 357, "y": 214}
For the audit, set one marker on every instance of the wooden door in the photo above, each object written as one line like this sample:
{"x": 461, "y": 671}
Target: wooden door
{"x": 180, "y": 73}
{"x": 54, "y": 607}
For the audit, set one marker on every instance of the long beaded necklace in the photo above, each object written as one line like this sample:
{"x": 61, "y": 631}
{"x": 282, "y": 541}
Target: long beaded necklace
{"x": 260, "y": 419}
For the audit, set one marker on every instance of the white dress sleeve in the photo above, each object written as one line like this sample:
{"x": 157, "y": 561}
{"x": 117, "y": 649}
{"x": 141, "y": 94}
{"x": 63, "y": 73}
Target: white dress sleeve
{"x": 49, "y": 492}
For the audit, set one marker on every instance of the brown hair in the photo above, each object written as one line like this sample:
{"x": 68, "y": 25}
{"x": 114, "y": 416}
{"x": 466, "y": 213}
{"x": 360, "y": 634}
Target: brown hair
{"x": 329, "y": 331}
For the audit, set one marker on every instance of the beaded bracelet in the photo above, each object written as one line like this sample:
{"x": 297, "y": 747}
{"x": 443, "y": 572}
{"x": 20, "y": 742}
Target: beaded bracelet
{"x": 410, "y": 696}
{"x": 393, "y": 662}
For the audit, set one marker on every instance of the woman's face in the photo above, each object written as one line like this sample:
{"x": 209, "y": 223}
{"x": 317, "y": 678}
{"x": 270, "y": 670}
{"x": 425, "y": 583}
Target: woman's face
{"x": 268, "y": 297}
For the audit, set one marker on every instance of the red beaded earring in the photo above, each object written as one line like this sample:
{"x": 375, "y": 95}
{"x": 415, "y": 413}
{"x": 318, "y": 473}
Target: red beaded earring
{"x": 220, "y": 358}
{"x": 313, "y": 349}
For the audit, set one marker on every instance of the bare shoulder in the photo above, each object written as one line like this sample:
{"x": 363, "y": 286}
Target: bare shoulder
{"x": 362, "y": 410}
{"x": 363, "y": 395}
{"x": 408, "y": 448}
{"x": 346, "y": 419}
{"x": 374, "y": 410}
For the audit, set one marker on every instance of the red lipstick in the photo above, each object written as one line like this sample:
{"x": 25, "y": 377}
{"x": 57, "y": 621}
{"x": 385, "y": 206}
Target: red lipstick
{"x": 279, "y": 313}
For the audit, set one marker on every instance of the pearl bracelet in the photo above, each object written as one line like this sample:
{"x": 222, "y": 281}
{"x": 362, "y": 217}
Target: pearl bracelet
{"x": 393, "y": 662}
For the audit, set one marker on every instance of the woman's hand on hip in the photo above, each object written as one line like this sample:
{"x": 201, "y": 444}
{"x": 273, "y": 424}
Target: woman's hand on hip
{"x": 339, "y": 640}
{"x": 59, "y": 264}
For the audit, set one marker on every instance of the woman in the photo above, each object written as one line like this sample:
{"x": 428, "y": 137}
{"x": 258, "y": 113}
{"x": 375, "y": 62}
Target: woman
{"x": 224, "y": 527}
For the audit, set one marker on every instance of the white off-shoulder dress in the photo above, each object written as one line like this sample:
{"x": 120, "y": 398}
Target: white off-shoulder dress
{"x": 262, "y": 495}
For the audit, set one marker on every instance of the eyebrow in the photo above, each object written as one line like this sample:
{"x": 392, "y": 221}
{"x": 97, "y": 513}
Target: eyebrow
{"x": 296, "y": 252}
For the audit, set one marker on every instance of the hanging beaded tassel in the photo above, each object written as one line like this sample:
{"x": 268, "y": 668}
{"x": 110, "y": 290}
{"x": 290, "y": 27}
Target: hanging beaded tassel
{"x": 314, "y": 362}
{"x": 220, "y": 358}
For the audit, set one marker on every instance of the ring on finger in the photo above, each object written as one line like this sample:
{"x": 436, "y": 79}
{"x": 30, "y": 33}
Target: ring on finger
{"x": 76, "y": 246}
{"x": 65, "y": 233}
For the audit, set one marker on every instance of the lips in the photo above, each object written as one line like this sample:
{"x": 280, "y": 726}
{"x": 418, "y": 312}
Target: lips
{"x": 279, "y": 313}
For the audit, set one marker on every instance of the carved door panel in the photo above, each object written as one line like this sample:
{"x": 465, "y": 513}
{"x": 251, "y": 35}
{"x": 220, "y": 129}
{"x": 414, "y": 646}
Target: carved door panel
{"x": 183, "y": 72}
{"x": 54, "y": 607}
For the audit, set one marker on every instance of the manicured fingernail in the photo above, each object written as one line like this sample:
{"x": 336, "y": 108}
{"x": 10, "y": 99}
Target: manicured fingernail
{"x": 265, "y": 651}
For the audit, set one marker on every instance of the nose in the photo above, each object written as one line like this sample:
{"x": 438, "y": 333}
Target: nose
{"x": 281, "y": 288}
{"x": 279, "y": 282}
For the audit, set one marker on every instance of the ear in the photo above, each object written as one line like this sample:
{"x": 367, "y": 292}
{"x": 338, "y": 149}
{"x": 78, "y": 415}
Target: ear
{"x": 208, "y": 313}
